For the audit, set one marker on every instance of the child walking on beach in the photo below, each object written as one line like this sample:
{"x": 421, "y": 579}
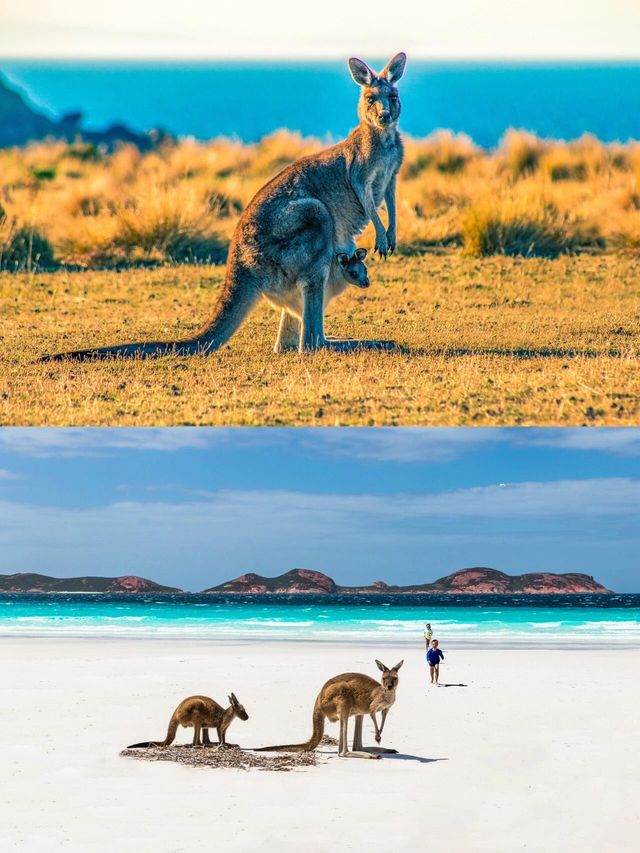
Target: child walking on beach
{"x": 434, "y": 656}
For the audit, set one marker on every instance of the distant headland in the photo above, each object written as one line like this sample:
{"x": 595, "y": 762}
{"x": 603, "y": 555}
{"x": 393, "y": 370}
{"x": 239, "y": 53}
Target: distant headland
{"x": 21, "y": 123}
{"x": 478, "y": 581}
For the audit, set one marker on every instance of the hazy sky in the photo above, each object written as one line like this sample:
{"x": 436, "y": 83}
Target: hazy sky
{"x": 194, "y": 507}
{"x": 204, "y": 28}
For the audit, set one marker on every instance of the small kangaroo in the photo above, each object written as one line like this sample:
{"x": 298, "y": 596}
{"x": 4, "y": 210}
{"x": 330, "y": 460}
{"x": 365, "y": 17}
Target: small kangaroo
{"x": 353, "y": 268}
{"x": 285, "y": 242}
{"x": 351, "y": 694}
{"x": 202, "y": 713}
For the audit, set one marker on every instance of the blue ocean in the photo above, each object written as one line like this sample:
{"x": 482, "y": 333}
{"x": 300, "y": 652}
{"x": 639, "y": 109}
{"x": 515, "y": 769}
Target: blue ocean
{"x": 582, "y": 621}
{"x": 250, "y": 99}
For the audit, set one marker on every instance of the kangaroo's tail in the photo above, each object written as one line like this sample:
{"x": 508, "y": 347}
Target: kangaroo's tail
{"x": 240, "y": 292}
{"x": 171, "y": 734}
{"x": 310, "y": 745}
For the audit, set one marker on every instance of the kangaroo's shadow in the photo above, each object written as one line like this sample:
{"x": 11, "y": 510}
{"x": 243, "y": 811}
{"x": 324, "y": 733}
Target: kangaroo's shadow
{"x": 403, "y": 756}
{"x": 527, "y": 353}
{"x": 440, "y": 684}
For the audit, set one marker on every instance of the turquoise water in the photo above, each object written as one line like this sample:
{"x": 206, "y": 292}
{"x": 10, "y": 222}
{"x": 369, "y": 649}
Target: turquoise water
{"x": 491, "y": 620}
{"x": 249, "y": 100}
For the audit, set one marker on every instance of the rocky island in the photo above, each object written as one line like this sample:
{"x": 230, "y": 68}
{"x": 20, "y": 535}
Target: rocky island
{"x": 31, "y": 582}
{"x": 478, "y": 580}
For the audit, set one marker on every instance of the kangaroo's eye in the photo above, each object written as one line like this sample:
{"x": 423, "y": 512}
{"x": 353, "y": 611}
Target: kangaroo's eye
{"x": 371, "y": 99}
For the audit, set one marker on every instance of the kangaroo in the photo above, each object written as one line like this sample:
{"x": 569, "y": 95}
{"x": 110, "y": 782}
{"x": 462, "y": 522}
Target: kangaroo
{"x": 351, "y": 694}
{"x": 285, "y": 242}
{"x": 201, "y": 713}
{"x": 353, "y": 268}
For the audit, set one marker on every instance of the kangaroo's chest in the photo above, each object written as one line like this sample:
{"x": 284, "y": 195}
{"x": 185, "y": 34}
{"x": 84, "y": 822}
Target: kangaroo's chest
{"x": 381, "y": 171}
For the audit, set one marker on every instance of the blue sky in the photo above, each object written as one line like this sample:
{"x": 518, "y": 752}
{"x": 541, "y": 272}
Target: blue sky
{"x": 194, "y": 507}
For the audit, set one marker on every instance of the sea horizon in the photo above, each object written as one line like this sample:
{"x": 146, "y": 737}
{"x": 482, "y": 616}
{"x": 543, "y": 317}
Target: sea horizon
{"x": 250, "y": 98}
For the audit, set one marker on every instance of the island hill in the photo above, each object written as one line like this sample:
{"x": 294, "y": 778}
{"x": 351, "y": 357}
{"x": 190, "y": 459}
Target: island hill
{"x": 31, "y": 582}
{"x": 465, "y": 581}
{"x": 479, "y": 581}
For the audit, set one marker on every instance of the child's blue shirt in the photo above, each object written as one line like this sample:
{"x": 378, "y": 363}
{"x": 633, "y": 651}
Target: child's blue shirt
{"x": 434, "y": 656}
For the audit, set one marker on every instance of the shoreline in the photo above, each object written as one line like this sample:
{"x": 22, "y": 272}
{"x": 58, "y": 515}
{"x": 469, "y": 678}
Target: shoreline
{"x": 333, "y": 643}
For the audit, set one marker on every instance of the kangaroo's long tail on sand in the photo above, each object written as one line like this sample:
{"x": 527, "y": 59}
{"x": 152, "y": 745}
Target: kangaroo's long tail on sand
{"x": 239, "y": 294}
{"x": 171, "y": 734}
{"x": 310, "y": 745}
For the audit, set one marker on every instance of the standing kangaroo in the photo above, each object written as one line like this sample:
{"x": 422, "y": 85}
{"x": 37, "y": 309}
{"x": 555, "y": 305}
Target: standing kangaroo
{"x": 285, "y": 244}
{"x": 202, "y": 713}
{"x": 351, "y": 694}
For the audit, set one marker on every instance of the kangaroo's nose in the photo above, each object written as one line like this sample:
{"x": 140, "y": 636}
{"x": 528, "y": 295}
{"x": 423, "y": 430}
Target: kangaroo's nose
{"x": 384, "y": 117}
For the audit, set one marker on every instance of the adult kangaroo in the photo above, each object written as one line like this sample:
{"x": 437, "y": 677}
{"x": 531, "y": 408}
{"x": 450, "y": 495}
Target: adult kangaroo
{"x": 351, "y": 694}
{"x": 286, "y": 242}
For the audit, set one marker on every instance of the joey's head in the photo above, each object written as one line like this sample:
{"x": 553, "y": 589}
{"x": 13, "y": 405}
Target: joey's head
{"x": 389, "y": 678}
{"x": 379, "y": 104}
{"x": 238, "y": 709}
{"x": 354, "y": 268}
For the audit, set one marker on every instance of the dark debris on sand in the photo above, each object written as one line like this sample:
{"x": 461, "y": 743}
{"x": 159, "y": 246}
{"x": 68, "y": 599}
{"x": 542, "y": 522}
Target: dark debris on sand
{"x": 229, "y": 757}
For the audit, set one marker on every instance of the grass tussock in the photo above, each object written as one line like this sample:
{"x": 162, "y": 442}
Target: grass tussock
{"x": 75, "y": 205}
{"x": 515, "y": 230}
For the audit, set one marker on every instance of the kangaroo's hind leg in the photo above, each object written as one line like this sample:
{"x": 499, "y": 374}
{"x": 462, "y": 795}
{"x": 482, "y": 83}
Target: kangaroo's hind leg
{"x": 205, "y": 737}
{"x": 288, "y": 338}
{"x": 196, "y": 733}
{"x": 312, "y": 289}
{"x": 358, "y": 752}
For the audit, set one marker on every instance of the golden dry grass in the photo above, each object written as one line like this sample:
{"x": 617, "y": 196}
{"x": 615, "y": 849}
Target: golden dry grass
{"x": 182, "y": 201}
{"x": 493, "y": 341}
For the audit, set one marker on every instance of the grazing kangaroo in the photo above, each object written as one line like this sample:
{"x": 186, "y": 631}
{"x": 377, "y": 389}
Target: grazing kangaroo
{"x": 351, "y": 694}
{"x": 285, "y": 243}
{"x": 202, "y": 713}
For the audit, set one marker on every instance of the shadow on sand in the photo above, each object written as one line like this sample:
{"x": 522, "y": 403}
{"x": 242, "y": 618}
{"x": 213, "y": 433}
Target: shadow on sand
{"x": 403, "y": 756}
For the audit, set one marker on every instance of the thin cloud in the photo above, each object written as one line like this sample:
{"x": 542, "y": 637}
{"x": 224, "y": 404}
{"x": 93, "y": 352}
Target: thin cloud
{"x": 620, "y": 441}
{"x": 66, "y": 442}
{"x": 7, "y": 475}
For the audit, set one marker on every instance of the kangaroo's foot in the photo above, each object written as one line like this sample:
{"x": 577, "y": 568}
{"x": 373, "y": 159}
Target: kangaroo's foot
{"x": 356, "y": 754}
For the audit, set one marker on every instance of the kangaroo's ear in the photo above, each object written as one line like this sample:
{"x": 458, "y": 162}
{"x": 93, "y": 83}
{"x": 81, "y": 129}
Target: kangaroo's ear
{"x": 398, "y": 665}
{"x": 230, "y": 698}
{"x": 380, "y": 665}
{"x": 394, "y": 69}
{"x": 361, "y": 254}
{"x": 234, "y": 699}
{"x": 361, "y": 72}
{"x": 342, "y": 258}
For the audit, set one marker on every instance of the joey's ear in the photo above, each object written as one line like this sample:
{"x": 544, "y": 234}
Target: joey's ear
{"x": 361, "y": 254}
{"x": 394, "y": 69}
{"x": 361, "y": 72}
{"x": 398, "y": 665}
{"x": 380, "y": 665}
{"x": 342, "y": 258}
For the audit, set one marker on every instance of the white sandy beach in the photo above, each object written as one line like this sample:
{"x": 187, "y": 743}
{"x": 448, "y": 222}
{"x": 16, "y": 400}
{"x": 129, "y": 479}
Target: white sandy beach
{"x": 538, "y": 752}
